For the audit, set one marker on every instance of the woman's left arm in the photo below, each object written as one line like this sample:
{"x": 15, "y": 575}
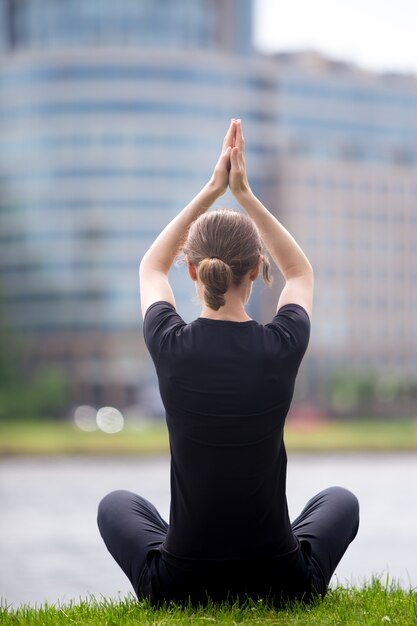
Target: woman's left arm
{"x": 157, "y": 261}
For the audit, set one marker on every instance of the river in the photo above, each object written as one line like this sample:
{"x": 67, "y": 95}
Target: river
{"x": 50, "y": 548}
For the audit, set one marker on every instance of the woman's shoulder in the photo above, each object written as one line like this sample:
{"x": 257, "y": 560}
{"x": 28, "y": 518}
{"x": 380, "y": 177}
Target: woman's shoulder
{"x": 292, "y": 324}
{"x": 293, "y": 311}
{"x": 159, "y": 316}
{"x": 160, "y": 306}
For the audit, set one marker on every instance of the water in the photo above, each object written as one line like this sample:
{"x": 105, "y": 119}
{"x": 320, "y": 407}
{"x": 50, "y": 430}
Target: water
{"x": 50, "y": 548}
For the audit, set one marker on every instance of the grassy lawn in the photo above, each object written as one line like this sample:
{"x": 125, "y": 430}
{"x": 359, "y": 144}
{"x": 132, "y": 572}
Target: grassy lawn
{"x": 373, "y": 605}
{"x": 359, "y": 434}
{"x": 63, "y": 437}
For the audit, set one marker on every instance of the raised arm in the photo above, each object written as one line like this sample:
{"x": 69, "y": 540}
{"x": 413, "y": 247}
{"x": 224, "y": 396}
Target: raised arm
{"x": 285, "y": 251}
{"x": 156, "y": 263}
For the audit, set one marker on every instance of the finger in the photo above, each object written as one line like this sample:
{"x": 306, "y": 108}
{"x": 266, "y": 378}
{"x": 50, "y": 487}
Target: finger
{"x": 224, "y": 158}
{"x": 239, "y": 141}
{"x": 234, "y": 158}
{"x": 229, "y": 137}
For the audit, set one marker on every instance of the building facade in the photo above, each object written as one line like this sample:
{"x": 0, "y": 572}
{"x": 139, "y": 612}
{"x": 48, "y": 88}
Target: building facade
{"x": 100, "y": 147}
{"x": 111, "y": 120}
{"x": 348, "y": 188}
{"x": 153, "y": 24}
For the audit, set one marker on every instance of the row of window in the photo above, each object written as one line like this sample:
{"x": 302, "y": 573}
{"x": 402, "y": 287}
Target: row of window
{"x": 359, "y": 303}
{"x": 202, "y": 76}
{"x": 68, "y": 281}
{"x": 353, "y": 214}
{"x": 350, "y": 185}
{"x": 84, "y": 204}
{"x": 319, "y": 149}
{"x": 92, "y": 234}
{"x": 198, "y": 76}
{"x": 18, "y": 145}
{"x": 342, "y": 148}
{"x": 365, "y": 274}
{"x": 344, "y": 336}
{"x": 382, "y": 95}
{"x": 116, "y": 294}
{"x": 111, "y": 326}
{"x": 131, "y": 107}
{"x": 95, "y": 235}
{"x": 87, "y": 173}
{"x": 187, "y": 109}
{"x": 371, "y": 245}
{"x": 71, "y": 270}
{"x": 57, "y": 325}
{"x": 103, "y": 172}
{"x": 73, "y": 266}
{"x": 308, "y": 211}
{"x": 325, "y": 124}
{"x": 88, "y": 295}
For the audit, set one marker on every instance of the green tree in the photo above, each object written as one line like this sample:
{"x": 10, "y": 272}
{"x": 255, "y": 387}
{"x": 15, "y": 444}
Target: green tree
{"x": 44, "y": 393}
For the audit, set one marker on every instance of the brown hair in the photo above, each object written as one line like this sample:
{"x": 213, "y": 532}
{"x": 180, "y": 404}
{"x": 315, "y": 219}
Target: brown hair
{"x": 223, "y": 246}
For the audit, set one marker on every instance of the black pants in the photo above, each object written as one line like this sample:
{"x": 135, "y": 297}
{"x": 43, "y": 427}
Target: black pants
{"x": 133, "y": 532}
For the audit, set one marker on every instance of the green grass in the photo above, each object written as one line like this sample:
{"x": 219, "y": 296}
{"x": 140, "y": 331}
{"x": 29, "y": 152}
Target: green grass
{"x": 62, "y": 437}
{"x": 375, "y": 604}
{"x": 355, "y": 435}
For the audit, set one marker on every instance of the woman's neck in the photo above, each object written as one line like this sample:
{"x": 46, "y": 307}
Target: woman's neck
{"x": 232, "y": 311}
{"x": 234, "y": 307}
{"x": 226, "y": 316}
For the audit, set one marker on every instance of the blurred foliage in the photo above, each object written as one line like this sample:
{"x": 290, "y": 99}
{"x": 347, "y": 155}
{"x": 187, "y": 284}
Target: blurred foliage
{"x": 43, "y": 393}
{"x": 359, "y": 392}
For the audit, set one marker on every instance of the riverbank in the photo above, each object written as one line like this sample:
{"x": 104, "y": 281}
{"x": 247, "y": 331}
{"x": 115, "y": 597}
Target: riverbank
{"x": 374, "y": 604}
{"x": 56, "y": 438}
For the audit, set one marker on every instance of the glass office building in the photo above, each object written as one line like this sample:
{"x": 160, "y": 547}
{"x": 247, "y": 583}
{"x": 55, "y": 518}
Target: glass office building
{"x": 111, "y": 119}
{"x": 101, "y": 144}
{"x": 190, "y": 24}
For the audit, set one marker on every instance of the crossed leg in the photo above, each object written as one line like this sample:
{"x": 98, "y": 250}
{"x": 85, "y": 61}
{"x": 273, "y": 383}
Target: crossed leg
{"x": 328, "y": 523}
{"x": 131, "y": 527}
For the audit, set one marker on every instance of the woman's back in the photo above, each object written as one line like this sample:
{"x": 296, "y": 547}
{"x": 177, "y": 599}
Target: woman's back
{"x": 227, "y": 387}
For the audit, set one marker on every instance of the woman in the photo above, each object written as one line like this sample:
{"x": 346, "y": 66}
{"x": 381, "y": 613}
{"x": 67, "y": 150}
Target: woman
{"x": 226, "y": 383}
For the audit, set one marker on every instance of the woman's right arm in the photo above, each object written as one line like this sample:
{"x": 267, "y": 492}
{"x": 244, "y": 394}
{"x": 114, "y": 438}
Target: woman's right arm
{"x": 157, "y": 261}
{"x": 285, "y": 251}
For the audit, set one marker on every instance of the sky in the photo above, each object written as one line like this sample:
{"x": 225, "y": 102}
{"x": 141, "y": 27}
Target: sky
{"x": 379, "y": 35}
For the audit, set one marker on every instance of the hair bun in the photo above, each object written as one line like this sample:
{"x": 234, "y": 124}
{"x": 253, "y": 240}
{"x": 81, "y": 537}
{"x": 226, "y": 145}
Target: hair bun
{"x": 216, "y": 278}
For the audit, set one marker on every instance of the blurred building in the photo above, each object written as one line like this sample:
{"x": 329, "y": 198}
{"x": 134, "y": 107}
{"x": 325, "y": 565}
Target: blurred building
{"x": 348, "y": 189}
{"x": 111, "y": 117}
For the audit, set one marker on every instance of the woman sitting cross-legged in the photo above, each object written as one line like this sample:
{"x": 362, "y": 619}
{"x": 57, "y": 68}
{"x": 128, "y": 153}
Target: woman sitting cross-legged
{"x": 227, "y": 382}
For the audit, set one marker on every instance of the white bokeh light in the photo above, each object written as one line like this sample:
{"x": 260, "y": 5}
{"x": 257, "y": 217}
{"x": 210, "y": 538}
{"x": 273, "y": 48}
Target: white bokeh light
{"x": 109, "y": 420}
{"x": 85, "y": 418}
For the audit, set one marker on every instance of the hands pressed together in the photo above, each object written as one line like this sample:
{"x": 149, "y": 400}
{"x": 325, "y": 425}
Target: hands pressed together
{"x": 230, "y": 169}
